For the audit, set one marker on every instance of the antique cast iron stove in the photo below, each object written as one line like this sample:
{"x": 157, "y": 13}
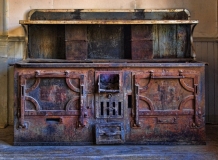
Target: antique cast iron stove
{"x": 109, "y": 77}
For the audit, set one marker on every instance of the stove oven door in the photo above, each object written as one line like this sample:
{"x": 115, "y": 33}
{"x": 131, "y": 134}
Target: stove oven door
{"x": 167, "y": 106}
{"x": 51, "y": 107}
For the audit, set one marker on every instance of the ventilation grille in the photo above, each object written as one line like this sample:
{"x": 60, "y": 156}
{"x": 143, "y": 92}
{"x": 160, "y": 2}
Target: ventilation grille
{"x": 109, "y": 109}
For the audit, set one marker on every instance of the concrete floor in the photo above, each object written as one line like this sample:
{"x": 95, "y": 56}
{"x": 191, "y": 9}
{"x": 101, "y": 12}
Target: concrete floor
{"x": 127, "y": 152}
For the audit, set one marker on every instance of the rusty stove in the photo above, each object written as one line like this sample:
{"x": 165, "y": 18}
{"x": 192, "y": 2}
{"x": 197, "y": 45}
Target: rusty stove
{"x": 109, "y": 77}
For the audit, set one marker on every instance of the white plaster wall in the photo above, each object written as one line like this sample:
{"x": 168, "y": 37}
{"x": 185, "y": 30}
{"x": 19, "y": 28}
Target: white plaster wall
{"x": 1, "y": 17}
{"x": 203, "y": 10}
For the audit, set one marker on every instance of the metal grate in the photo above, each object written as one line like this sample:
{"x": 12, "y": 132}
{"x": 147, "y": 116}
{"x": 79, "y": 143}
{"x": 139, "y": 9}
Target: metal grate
{"x": 109, "y": 109}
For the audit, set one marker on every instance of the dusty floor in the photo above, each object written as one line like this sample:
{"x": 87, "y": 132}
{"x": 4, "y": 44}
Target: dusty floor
{"x": 127, "y": 152}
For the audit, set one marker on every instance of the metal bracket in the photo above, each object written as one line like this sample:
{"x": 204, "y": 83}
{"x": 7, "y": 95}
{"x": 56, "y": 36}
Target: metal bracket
{"x": 137, "y": 123}
{"x": 21, "y": 108}
{"x": 192, "y": 43}
{"x": 83, "y": 112}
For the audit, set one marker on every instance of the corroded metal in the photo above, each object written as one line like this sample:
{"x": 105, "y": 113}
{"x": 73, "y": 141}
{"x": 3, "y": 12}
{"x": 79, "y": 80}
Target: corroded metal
{"x": 147, "y": 101}
{"x": 110, "y": 133}
{"x": 109, "y": 22}
{"x": 69, "y": 14}
{"x": 118, "y": 77}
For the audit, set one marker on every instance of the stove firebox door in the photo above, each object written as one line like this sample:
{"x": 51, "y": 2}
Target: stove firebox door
{"x": 109, "y": 107}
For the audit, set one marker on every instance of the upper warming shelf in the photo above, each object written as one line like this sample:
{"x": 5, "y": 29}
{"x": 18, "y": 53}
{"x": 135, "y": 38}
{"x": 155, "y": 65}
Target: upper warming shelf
{"x": 109, "y": 34}
{"x": 89, "y": 16}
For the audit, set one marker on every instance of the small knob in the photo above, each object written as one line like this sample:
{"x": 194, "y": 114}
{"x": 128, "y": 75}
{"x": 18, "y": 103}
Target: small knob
{"x": 85, "y": 114}
{"x": 109, "y": 96}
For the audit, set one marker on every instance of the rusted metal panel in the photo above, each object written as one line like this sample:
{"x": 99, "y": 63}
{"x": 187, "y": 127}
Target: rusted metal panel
{"x": 183, "y": 41}
{"x": 110, "y": 133}
{"x": 45, "y": 130}
{"x": 76, "y": 49}
{"x": 161, "y": 110}
{"x": 171, "y": 41}
{"x": 54, "y": 93}
{"x": 110, "y": 63}
{"x": 163, "y": 105}
{"x": 47, "y": 41}
{"x": 173, "y": 131}
{"x": 76, "y": 41}
{"x": 60, "y": 98}
{"x": 75, "y": 32}
{"x": 105, "y": 41}
{"x": 141, "y": 42}
{"x": 166, "y": 41}
{"x": 78, "y": 14}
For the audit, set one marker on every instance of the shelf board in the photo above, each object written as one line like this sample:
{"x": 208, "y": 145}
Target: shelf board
{"x": 27, "y": 22}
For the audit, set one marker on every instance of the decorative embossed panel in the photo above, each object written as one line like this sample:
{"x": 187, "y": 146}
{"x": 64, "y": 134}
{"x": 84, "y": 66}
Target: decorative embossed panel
{"x": 167, "y": 92}
{"x": 164, "y": 94}
{"x": 50, "y": 91}
{"x": 54, "y": 94}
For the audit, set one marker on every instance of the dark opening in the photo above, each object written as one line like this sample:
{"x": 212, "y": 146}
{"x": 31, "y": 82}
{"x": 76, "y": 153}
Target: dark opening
{"x": 114, "y": 108}
{"x": 109, "y": 83}
{"x": 129, "y": 101}
{"x": 22, "y": 90}
{"x": 196, "y": 89}
{"x": 119, "y": 108}
{"x": 127, "y": 42}
{"x": 108, "y": 110}
{"x": 102, "y": 108}
{"x": 53, "y": 120}
{"x": 81, "y": 90}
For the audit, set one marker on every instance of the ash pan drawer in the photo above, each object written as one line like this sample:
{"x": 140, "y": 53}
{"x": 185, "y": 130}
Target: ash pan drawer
{"x": 110, "y": 133}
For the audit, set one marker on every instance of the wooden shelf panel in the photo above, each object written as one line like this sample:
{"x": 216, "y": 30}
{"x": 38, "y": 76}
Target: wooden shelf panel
{"x": 27, "y": 22}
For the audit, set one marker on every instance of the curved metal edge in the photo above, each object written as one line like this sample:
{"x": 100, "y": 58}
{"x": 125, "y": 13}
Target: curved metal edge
{"x": 182, "y": 82}
{"x": 71, "y": 86}
{"x": 34, "y": 86}
{"x": 31, "y": 13}
{"x": 34, "y": 101}
{"x": 188, "y": 13}
{"x": 67, "y": 108}
{"x": 145, "y": 88}
{"x": 148, "y": 101}
{"x": 192, "y": 43}
{"x": 186, "y": 99}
